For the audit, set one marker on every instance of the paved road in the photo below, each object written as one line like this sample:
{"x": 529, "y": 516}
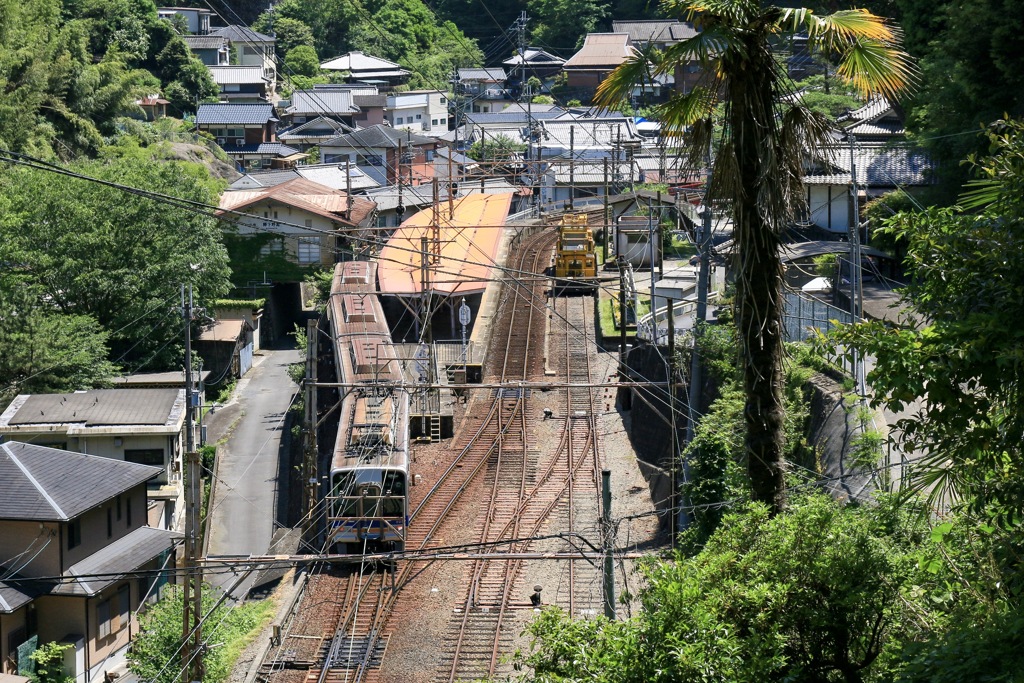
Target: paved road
{"x": 243, "y": 512}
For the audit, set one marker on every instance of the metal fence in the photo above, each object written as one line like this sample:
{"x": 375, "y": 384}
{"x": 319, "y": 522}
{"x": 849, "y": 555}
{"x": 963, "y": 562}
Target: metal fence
{"x": 801, "y": 314}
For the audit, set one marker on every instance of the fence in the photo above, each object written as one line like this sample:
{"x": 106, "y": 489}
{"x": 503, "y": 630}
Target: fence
{"x": 801, "y": 314}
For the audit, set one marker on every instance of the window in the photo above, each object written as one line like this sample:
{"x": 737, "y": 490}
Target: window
{"x": 145, "y": 456}
{"x": 232, "y": 87}
{"x": 110, "y": 522}
{"x": 309, "y": 250}
{"x": 444, "y": 122}
{"x": 128, "y": 511}
{"x": 103, "y": 619}
{"x": 398, "y": 121}
{"x": 444, "y": 100}
{"x": 124, "y": 605}
{"x": 419, "y": 117}
{"x": 274, "y": 246}
{"x": 119, "y": 508}
{"x": 74, "y": 533}
{"x": 433, "y": 122}
{"x": 370, "y": 160}
{"x": 309, "y": 222}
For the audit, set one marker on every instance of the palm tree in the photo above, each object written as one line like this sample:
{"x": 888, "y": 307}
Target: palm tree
{"x": 758, "y": 164}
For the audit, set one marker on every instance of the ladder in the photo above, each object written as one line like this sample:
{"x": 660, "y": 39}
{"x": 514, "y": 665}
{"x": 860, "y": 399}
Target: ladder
{"x": 435, "y": 428}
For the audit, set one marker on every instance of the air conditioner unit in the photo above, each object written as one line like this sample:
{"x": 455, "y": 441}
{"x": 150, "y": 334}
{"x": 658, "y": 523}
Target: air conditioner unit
{"x": 239, "y": 141}
{"x": 221, "y": 141}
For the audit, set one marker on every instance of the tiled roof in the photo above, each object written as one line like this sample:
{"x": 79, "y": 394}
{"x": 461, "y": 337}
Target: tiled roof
{"x": 512, "y": 117}
{"x": 241, "y": 34}
{"x": 497, "y": 75}
{"x": 207, "y": 42}
{"x": 588, "y": 133}
{"x": 329, "y": 175}
{"x": 278, "y": 149}
{"x": 877, "y": 166}
{"x": 240, "y": 114}
{"x": 655, "y": 30}
{"x": 358, "y": 63}
{"x": 367, "y": 101}
{"x": 601, "y": 50}
{"x": 321, "y": 102}
{"x": 318, "y": 127}
{"x": 109, "y": 564}
{"x": 14, "y": 595}
{"x": 378, "y": 137}
{"x": 37, "y": 485}
{"x": 96, "y": 408}
{"x": 536, "y": 56}
{"x": 303, "y": 194}
{"x": 173, "y": 378}
{"x": 517, "y": 107}
{"x": 247, "y": 75}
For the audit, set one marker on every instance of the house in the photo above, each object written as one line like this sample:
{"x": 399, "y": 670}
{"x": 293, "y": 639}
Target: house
{"x": 304, "y": 222}
{"x": 335, "y": 176}
{"x": 562, "y": 182}
{"x": 483, "y": 89}
{"x": 880, "y": 168}
{"x": 375, "y": 151}
{"x": 245, "y": 84}
{"x": 363, "y": 68}
{"x": 601, "y": 54}
{"x": 153, "y": 107}
{"x": 588, "y": 138}
{"x": 421, "y": 111}
{"x": 331, "y": 103}
{"x": 515, "y": 123}
{"x": 661, "y": 35}
{"x": 248, "y": 134}
{"x": 226, "y": 347}
{"x": 539, "y": 64}
{"x": 210, "y": 50}
{"x": 252, "y": 48}
{"x": 197, "y": 20}
{"x": 145, "y": 426}
{"x": 313, "y": 133}
{"x": 80, "y": 559}
{"x": 372, "y": 110}
{"x": 876, "y": 122}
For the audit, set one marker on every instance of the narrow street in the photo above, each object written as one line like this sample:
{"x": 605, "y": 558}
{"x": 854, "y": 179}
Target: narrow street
{"x": 244, "y": 501}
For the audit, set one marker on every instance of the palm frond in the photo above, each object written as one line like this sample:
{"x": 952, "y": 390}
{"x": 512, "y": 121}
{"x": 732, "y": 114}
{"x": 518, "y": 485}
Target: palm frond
{"x": 844, "y": 25}
{"x": 980, "y": 193}
{"x": 620, "y": 83}
{"x": 874, "y": 67}
{"x": 682, "y": 111}
{"x": 704, "y": 48}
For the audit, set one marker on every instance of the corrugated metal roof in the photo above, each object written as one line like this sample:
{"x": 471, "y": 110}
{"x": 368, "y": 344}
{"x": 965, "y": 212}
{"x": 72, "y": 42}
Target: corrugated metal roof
{"x": 50, "y": 485}
{"x": 321, "y": 102}
{"x": 242, "y": 75}
{"x": 470, "y": 239}
{"x": 221, "y": 114}
{"x": 113, "y": 561}
{"x": 223, "y": 331}
{"x": 97, "y": 407}
{"x": 601, "y": 50}
{"x": 588, "y": 133}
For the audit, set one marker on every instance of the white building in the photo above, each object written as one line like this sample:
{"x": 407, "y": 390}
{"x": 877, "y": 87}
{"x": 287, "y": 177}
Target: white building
{"x": 421, "y": 111}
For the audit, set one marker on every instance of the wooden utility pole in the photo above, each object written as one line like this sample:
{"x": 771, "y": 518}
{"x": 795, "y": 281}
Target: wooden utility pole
{"x": 607, "y": 545}
{"x": 192, "y": 582}
{"x": 607, "y": 227}
{"x": 572, "y": 165}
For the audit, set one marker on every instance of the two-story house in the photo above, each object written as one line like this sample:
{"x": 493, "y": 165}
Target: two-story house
{"x": 248, "y": 134}
{"x": 662, "y": 34}
{"x": 384, "y": 154}
{"x": 364, "y": 68}
{"x": 79, "y": 558}
{"x": 421, "y": 111}
{"x": 243, "y": 84}
{"x": 210, "y": 50}
{"x": 252, "y": 48}
{"x": 309, "y": 222}
{"x": 533, "y": 62}
{"x": 332, "y": 103}
{"x": 197, "y": 20}
{"x": 483, "y": 89}
{"x": 601, "y": 54}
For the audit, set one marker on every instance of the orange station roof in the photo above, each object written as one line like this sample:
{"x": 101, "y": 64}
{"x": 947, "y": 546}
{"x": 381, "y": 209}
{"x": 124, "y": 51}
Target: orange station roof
{"x": 470, "y": 240}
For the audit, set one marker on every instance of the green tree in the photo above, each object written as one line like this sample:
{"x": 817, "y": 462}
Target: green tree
{"x": 49, "y": 662}
{"x": 758, "y": 166}
{"x": 155, "y": 654}
{"x": 821, "y": 593}
{"x": 97, "y": 251}
{"x": 288, "y": 33}
{"x": 962, "y": 360}
{"x": 330, "y": 21}
{"x": 302, "y": 61}
{"x": 561, "y": 25}
{"x": 496, "y": 148}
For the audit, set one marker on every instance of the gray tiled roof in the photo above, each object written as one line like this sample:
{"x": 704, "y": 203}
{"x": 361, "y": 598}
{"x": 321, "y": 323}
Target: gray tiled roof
{"x": 378, "y": 137}
{"x": 223, "y": 114}
{"x": 48, "y": 484}
{"x": 498, "y": 75}
{"x": 241, "y": 34}
{"x": 265, "y": 148}
{"x": 655, "y": 30}
{"x": 512, "y": 117}
{"x": 207, "y": 42}
{"x": 242, "y": 75}
{"x": 96, "y": 407}
{"x": 124, "y": 555}
{"x": 877, "y": 166}
{"x": 15, "y": 594}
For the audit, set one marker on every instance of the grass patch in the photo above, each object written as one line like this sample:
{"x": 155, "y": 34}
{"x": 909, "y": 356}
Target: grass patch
{"x": 242, "y": 630}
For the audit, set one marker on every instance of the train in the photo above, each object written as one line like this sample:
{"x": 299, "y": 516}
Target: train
{"x": 575, "y": 254}
{"x": 367, "y": 503}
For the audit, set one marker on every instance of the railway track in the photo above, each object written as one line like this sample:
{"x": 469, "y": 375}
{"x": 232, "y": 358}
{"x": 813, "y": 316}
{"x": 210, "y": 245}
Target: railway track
{"x": 524, "y": 491}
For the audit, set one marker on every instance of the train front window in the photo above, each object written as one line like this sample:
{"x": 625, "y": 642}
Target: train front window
{"x": 394, "y": 494}
{"x": 345, "y": 503}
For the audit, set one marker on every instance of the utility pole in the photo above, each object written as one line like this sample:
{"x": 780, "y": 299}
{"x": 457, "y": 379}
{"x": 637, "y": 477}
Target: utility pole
{"x": 856, "y": 276}
{"x": 607, "y": 227}
{"x": 622, "y": 311}
{"x": 192, "y": 582}
{"x": 310, "y": 461}
{"x": 606, "y": 542}
{"x": 572, "y": 165}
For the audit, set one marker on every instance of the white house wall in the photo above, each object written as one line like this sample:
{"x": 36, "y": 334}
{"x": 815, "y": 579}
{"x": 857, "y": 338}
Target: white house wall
{"x": 829, "y": 207}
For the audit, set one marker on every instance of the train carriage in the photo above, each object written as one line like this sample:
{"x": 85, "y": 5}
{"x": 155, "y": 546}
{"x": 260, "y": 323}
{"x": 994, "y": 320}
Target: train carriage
{"x": 575, "y": 254}
{"x": 367, "y": 503}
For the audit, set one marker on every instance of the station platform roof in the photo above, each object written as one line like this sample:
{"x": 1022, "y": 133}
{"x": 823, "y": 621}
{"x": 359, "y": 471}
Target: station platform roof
{"x": 470, "y": 241}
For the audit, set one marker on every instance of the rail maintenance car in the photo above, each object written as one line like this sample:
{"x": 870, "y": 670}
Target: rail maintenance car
{"x": 575, "y": 254}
